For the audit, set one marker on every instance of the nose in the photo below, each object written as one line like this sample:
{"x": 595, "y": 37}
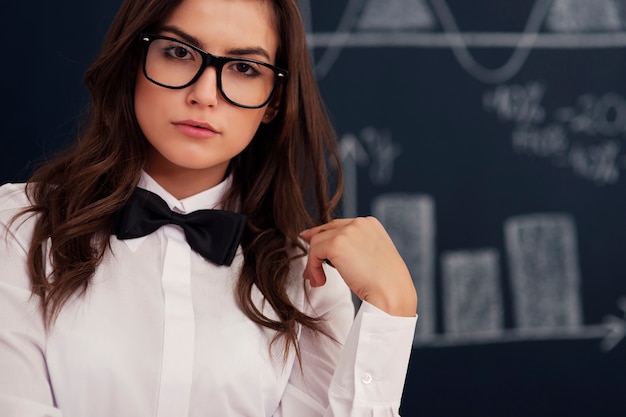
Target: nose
{"x": 204, "y": 91}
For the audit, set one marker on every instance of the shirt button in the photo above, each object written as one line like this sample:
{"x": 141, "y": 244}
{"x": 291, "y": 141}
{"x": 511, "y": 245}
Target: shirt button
{"x": 367, "y": 378}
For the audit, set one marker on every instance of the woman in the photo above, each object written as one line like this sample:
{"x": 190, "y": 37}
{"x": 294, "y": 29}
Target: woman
{"x": 103, "y": 315}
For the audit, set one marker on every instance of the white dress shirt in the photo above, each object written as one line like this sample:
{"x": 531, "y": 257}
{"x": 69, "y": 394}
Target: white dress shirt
{"x": 158, "y": 333}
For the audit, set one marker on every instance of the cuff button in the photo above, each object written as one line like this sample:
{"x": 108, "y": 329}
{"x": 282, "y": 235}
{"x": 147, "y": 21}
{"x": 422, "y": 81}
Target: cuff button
{"x": 367, "y": 378}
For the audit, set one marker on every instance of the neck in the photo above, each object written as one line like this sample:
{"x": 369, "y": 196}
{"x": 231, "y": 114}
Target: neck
{"x": 185, "y": 183}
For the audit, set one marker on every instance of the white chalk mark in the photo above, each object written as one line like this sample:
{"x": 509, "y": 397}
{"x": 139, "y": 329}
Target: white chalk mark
{"x": 339, "y": 38}
{"x": 544, "y": 270}
{"x": 383, "y": 153}
{"x": 472, "y": 294}
{"x": 611, "y": 335}
{"x": 410, "y": 222}
{"x": 616, "y": 326}
{"x": 604, "y": 115}
{"x": 517, "y": 103}
{"x": 593, "y": 115}
{"x": 307, "y": 20}
{"x": 352, "y": 155}
{"x": 576, "y": 24}
{"x": 540, "y": 141}
{"x": 396, "y": 15}
{"x": 584, "y": 16}
{"x": 616, "y": 332}
{"x": 517, "y": 59}
{"x": 483, "y": 40}
{"x": 598, "y": 163}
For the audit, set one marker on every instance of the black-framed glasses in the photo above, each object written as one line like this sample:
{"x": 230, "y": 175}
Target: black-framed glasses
{"x": 172, "y": 63}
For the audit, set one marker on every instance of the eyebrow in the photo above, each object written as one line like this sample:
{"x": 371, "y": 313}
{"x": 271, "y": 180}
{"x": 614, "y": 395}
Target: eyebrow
{"x": 252, "y": 50}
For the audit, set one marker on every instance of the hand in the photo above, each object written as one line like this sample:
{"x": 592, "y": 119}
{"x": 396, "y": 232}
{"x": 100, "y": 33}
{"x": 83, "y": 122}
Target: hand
{"x": 364, "y": 255}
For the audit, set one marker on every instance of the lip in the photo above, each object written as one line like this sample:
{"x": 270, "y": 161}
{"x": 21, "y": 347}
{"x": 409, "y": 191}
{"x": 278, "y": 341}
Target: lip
{"x": 196, "y": 129}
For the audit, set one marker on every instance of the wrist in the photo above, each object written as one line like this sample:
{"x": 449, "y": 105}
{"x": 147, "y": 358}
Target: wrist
{"x": 401, "y": 304}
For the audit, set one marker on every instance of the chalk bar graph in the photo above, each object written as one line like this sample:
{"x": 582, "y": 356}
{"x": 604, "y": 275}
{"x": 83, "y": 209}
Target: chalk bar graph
{"x": 545, "y": 282}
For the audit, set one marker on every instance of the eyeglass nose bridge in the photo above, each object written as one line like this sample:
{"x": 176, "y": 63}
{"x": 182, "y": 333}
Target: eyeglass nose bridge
{"x": 209, "y": 60}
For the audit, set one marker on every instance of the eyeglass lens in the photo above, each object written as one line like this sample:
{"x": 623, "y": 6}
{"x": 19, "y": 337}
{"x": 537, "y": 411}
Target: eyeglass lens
{"x": 174, "y": 64}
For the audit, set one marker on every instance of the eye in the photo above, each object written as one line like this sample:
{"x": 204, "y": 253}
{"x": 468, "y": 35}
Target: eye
{"x": 249, "y": 69}
{"x": 178, "y": 52}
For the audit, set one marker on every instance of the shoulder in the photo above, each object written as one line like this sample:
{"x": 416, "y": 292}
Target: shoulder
{"x": 13, "y": 200}
{"x": 13, "y": 197}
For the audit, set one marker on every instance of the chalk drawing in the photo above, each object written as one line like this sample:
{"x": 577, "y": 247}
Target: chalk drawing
{"x": 372, "y": 147}
{"x": 544, "y": 271}
{"x": 611, "y": 333}
{"x": 601, "y": 120}
{"x": 616, "y": 327}
{"x": 551, "y": 24}
{"x": 410, "y": 222}
{"x": 396, "y": 15}
{"x": 472, "y": 294}
{"x": 584, "y": 16}
{"x": 517, "y": 103}
{"x": 543, "y": 274}
{"x": 595, "y": 115}
{"x": 599, "y": 163}
{"x": 545, "y": 141}
{"x": 338, "y": 40}
{"x": 352, "y": 155}
{"x": 383, "y": 152}
{"x": 541, "y": 249}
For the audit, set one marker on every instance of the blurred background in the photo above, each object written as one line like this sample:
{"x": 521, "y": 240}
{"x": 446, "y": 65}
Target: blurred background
{"x": 486, "y": 135}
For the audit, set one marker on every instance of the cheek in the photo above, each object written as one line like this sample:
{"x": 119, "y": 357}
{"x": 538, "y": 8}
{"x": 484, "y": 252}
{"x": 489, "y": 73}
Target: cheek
{"x": 143, "y": 96}
{"x": 257, "y": 120}
{"x": 147, "y": 103}
{"x": 246, "y": 121}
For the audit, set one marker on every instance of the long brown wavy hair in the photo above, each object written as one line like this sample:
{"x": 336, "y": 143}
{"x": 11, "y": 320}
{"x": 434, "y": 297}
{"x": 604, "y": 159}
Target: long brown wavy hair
{"x": 281, "y": 179}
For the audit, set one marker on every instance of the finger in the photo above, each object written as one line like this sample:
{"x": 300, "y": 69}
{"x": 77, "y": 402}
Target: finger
{"x": 332, "y": 225}
{"x": 314, "y": 271}
{"x": 318, "y": 255}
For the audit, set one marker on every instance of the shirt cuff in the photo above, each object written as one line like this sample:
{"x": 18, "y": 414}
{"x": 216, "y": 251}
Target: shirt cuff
{"x": 379, "y": 345}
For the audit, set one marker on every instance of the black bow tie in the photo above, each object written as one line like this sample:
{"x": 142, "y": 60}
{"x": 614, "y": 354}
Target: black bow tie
{"x": 214, "y": 234}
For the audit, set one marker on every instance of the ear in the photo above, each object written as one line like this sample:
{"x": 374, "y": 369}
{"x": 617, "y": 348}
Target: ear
{"x": 274, "y": 105}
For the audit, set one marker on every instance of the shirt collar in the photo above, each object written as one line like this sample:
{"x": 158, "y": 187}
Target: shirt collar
{"x": 207, "y": 199}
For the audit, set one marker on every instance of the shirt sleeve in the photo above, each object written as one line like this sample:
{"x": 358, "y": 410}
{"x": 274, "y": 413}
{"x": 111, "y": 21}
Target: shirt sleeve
{"x": 362, "y": 375}
{"x": 24, "y": 385}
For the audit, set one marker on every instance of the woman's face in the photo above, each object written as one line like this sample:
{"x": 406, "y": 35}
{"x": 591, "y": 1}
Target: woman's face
{"x": 194, "y": 132}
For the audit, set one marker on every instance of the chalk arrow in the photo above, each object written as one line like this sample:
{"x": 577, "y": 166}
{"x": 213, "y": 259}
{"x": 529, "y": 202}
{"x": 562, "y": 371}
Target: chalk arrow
{"x": 617, "y": 331}
{"x": 351, "y": 149}
{"x": 352, "y": 154}
{"x": 616, "y": 327}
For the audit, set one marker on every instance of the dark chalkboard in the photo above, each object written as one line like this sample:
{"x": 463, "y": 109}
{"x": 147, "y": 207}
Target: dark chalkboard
{"x": 486, "y": 135}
